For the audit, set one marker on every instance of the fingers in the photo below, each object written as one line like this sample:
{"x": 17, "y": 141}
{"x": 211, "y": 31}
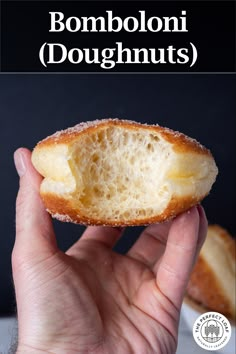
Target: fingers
{"x": 34, "y": 230}
{"x": 186, "y": 235}
{"x": 151, "y": 244}
{"x": 103, "y": 234}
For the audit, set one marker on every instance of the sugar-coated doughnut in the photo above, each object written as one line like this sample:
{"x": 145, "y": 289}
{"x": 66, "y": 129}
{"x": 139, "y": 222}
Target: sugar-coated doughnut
{"x": 213, "y": 280}
{"x": 119, "y": 172}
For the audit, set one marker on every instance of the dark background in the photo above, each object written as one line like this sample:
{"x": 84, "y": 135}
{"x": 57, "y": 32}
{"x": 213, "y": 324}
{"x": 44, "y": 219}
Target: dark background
{"x": 34, "y": 106}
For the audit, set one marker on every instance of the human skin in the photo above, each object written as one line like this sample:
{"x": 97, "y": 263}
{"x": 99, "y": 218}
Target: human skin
{"x": 91, "y": 299}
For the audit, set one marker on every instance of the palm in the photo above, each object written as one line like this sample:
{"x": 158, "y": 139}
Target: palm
{"x": 122, "y": 292}
{"x": 112, "y": 301}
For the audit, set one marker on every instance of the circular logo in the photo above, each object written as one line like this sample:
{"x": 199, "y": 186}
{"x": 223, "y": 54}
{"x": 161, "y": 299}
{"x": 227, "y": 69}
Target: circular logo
{"x": 211, "y": 331}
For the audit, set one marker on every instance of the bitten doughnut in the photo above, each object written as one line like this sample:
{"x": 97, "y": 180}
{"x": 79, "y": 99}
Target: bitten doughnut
{"x": 213, "y": 280}
{"x": 118, "y": 172}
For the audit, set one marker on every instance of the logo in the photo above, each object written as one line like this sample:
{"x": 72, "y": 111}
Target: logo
{"x": 211, "y": 331}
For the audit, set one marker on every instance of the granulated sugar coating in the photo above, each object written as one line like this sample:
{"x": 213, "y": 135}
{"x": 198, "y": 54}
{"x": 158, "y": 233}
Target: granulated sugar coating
{"x": 78, "y": 128}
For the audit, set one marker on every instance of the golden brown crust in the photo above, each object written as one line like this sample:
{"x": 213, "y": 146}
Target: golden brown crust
{"x": 229, "y": 241}
{"x": 64, "y": 210}
{"x": 181, "y": 142}
{"x": 204, "y": 288}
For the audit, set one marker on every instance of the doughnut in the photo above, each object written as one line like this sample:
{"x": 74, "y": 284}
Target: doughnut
{"x": 119, "y": 172}
{"x": 213, "y": 280}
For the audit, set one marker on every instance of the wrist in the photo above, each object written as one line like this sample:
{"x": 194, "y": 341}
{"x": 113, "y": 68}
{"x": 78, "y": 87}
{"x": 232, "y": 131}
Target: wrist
{"x": 25, "y": 349}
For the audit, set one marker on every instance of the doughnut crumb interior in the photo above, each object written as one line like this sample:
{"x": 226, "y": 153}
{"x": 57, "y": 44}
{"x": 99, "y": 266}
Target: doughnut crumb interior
{"x": 117, "y": 172}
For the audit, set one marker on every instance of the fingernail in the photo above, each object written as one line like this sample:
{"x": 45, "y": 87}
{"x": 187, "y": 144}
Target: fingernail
{"x": 200, "y": 210}
{"x": 19, "y": 163}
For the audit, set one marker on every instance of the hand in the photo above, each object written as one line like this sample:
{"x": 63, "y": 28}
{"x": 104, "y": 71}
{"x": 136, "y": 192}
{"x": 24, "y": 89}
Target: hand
{"x": 91, "y": 299}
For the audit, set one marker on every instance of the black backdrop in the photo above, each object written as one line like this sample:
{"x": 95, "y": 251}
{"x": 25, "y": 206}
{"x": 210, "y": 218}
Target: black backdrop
{"x": 34, "y": 106}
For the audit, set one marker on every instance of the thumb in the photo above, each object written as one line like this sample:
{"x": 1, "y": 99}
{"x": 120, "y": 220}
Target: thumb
{"x": 34, "y": 231}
